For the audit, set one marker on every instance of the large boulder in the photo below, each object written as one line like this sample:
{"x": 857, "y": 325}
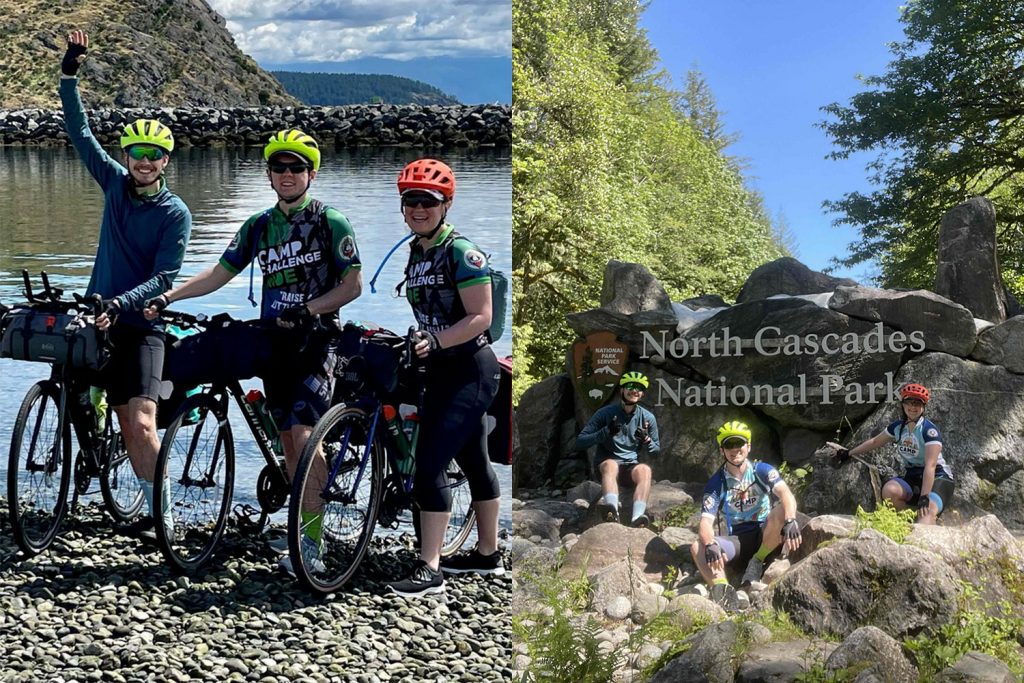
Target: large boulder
{"x": 621, "y": 579}
{"x": 868, "y": 580}
{"x": 780, "y": 661}
{"x": 541, "y": 411}
{"x": 780, "y": 345}
{"x": 968, "y": 266}
{"x": 787, "y": 276}
{"x": 1006, "y": 504}
{"x": 1003, "y": 345}
{"x": 822, "y": 529}
{"x": 548, "y": 519}
{"x": 631, "y": 288}
{"x": 977, "y": 667}
{"x": 799, "y": 445}
{"x": 868, "y": 646}
{"x": 941, "y": 324}
{"x": 981, "y": 422}
{"x": 709, "y": 658}
{"x": 608, "y": 543}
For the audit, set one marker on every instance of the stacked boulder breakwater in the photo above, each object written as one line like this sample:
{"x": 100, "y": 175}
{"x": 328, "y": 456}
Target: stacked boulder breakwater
{"x": 361, "y": 125}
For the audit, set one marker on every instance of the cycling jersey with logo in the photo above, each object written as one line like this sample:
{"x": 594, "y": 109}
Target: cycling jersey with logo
{"x": 299, "y": 259}
{"x": 746, "y": 501}
{"x": 433, "y": 278}
{"x": 910, "y": 444}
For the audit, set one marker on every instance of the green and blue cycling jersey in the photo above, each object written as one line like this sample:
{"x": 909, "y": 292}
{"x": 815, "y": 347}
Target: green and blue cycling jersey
{"x": 746, "y": 500}
{"x": 910, "y": 445}
{"x": 433, "y": 278}
{"x": 142, "y": 238}
{"x": 302, "y": 255}
{"x": 622, "y": 447}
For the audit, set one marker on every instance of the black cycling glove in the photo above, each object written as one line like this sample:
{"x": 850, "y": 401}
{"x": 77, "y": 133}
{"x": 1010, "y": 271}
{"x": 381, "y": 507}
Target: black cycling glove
{"x": 73, "y": 59}
{"x": 790, "y": 530}
{"x": 712, "y": 553}
{"x": 643, "y": 432}
{"x": 299, "y": 316}
{"x": 614, "y": 427}
{"x": 839, "y": 458}
{"x": 434, "y": 344}
{"x": 112, "y": 309}
{"x": 159, "y": 303}
{"x": 923, "y": 503}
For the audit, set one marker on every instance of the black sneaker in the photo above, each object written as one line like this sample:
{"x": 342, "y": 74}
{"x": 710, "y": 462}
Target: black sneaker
{"x": 473, "y": 563}
{"x": 607, "y": 513}
{"x": 422, "y": 581}
{"x": 724, "y": 595}
{"x": 142, "y": 528}
{"x": 642, "y": 522}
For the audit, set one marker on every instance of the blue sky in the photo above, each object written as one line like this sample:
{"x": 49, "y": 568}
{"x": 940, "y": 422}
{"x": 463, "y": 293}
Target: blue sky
{"x": 771, "y": 66}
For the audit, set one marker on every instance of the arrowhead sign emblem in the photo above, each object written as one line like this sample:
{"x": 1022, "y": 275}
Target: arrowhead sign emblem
{"x": 598, "y": 362}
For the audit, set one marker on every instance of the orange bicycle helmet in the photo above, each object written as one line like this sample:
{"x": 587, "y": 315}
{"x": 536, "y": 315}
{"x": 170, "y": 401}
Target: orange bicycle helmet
{"x": 914, "y": 391}
{"x": 427, "y": 174}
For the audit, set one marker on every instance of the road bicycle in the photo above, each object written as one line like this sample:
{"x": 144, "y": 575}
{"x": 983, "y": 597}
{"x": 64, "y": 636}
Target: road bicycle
{"x": 355, "y": 473}
{"x": 197, "y": 458}
{"x": 40, "y": 466}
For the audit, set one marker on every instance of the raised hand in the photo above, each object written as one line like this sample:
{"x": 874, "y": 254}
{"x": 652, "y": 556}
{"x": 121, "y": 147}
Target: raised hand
{"x": 78, "y": 45}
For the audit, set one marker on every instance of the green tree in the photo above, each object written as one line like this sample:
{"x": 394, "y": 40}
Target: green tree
{"x": 945, "y": 122}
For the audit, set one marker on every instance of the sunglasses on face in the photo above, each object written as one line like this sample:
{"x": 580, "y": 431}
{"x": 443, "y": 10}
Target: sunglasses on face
{"x": 296, "y": 168}
{"x": 140, "y": 152}
{"x": 730, "y": 444}
{"x": 912, "y": 402}
{"x": 633, "y": 387}
{"x": 426, "y": 201}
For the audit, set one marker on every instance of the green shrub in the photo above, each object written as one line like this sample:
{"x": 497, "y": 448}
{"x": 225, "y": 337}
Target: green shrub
{"x": 971, "y": 630}
{"x": 796, "y": 479}
{"x": 679, "y": 515}
{"x": 886, "y": 520}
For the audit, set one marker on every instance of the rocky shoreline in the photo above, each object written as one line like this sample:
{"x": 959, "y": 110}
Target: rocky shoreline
{"x": 484, "y": 125}
{"x": 102, "y": 607}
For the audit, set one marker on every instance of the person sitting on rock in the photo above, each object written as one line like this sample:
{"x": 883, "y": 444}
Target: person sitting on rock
{"x": 744, "y": 489}
{"x": 927, "y": 481}
{"x": 619, "y": 431}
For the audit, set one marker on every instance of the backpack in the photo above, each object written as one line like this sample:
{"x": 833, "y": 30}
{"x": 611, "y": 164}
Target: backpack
{"x": 499, "y": 286}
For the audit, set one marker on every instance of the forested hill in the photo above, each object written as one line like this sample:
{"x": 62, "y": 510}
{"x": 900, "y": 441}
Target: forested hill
{"x": 338, "y": 89}
{"x": 141, "y": 53}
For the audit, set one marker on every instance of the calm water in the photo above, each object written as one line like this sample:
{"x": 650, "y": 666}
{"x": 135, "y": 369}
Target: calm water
{"x": 50, "y": 211}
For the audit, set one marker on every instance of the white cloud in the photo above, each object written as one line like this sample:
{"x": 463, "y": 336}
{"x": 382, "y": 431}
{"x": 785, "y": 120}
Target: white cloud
{"x": 279, "y": 31}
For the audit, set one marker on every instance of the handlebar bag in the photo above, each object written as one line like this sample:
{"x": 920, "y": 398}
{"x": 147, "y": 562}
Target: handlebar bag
{"x": 58, "y": 338}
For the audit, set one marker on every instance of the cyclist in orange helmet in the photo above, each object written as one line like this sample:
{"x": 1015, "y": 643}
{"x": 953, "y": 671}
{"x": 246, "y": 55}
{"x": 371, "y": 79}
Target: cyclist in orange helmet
{"x": 927, "y": 481}
{"x": 448, "y": 286}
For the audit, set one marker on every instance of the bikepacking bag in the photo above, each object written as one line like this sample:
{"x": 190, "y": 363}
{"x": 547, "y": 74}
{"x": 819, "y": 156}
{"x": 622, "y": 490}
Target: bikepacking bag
{"x": 368, "y": 354}
{"x": 58, "y": 338}
{"x": 499, "y": 418}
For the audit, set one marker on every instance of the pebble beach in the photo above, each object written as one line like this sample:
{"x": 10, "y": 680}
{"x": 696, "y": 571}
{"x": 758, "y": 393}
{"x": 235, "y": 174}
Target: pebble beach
{"x": 98, "y": 606}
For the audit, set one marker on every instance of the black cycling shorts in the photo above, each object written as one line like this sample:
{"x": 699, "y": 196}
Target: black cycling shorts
{"x": 136, "y": 365}
{"x": 624, "y": 477}
{"x": 457, "y": 394}
{"x": 738, "y": 549}
{"x": 910, "y": 482}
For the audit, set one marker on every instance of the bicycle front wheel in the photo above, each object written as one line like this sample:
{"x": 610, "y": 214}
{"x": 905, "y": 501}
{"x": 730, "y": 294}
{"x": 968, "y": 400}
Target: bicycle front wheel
{"x": 460, "y": 523}
{"x": 122, "y": 493}
{"x": 38, "y": 469}
{"x": 336, "y": 495}
{"x": 194, "y": 482}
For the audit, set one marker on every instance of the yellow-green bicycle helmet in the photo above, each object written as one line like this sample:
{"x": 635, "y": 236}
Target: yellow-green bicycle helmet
{"x": 147, "y": 132}
{"x": 634, "y": 378}
{"x": 733, "y": 429}
{"x": 295, "y": 142}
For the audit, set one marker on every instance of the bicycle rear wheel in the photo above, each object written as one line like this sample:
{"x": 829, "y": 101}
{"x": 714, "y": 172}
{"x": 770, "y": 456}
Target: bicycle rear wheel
{"x": 341, "y": 476}
{"x": 196, "y": 466}
{"x": 460, "y": 523}
{"x": 38, "y": 469}
{"x": 122, "y": 493}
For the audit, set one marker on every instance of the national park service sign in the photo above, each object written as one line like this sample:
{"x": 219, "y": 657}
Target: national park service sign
{"x": 598, "y": 362}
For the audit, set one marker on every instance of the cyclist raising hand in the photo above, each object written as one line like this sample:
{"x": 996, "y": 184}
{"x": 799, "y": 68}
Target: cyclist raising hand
{"x": 448, "y": 285}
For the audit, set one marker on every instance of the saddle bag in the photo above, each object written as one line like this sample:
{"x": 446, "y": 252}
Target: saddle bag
{"x": 58, "y": 338}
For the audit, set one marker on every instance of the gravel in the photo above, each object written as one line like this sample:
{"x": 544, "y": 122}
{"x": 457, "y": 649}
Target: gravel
{"x": 98, "y": 606}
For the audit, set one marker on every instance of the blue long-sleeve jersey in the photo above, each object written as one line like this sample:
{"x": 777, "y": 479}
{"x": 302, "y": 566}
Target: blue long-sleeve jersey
{"x": 142, "y": 239}
{"x": 623, "y": 446}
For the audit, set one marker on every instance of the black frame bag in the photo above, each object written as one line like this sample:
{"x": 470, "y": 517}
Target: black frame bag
{"x": 58, "y": 338}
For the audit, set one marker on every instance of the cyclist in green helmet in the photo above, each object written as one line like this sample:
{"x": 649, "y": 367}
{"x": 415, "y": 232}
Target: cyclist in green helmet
{"x": 142, "y": 242}
{"x": 620, "y": 431}
{"x": 307, "y": 253}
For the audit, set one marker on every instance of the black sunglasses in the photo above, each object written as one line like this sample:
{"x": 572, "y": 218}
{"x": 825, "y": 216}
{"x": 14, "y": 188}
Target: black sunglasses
{"x": 424, "y": 200}
{"x": 296, "y": 168}
{"x": 729, "y": 444}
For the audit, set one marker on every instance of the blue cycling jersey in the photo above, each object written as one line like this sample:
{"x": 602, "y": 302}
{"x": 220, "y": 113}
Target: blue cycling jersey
{"x": 746, "y": 500}
{"x": 910, "y": 444}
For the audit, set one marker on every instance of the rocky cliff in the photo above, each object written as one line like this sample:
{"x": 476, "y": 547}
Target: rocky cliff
{"x": 141, "y": 53}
